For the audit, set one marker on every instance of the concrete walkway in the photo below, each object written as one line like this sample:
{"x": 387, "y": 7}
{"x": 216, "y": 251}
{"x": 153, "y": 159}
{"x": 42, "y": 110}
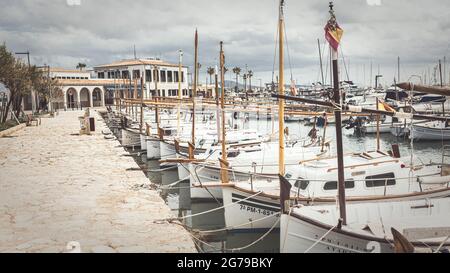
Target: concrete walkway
{"x": 57, "y": 187}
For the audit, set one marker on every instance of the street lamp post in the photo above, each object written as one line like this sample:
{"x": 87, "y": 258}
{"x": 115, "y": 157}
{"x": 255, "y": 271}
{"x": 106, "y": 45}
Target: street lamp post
{"x": 33, "y": 95}
{"x": 50, "y": 99}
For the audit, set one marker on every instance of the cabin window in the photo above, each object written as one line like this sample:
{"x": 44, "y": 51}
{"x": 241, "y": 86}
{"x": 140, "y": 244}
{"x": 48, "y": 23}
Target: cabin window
{"x": 301, "y": 184}
{"x": 169, "y": 76}
{"x": 163, "y": 76}
{"x": 233, "y": 154}
{"x": 333, "y": 185}
{"x": 380, "y": 180}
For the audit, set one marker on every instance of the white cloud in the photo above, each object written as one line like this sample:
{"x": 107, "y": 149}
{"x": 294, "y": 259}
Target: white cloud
{"x": 73, "y": 2}
{"x": 100, "y": 31}
{"x": 374, "y": 2}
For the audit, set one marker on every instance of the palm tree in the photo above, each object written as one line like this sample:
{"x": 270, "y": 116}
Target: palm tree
{"x": 81, "y": 66}
{"x": 245, "y": 82}
{"x": 237, "y": 71}
{"x": 250, "y": 75}
{"x": 210, "y": 71}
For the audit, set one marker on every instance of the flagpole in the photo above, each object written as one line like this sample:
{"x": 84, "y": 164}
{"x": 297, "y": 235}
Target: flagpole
{"x": 180, "y": 97}
{"x": 337, "y": 115}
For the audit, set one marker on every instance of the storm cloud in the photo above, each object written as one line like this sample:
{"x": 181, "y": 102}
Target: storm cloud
{"x": 64, "y": 32}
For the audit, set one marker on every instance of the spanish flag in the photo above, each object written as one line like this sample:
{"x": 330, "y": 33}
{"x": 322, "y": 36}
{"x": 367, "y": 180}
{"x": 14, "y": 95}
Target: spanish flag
{"x": 383, "y": 106}
{"x": 333, "y": 34}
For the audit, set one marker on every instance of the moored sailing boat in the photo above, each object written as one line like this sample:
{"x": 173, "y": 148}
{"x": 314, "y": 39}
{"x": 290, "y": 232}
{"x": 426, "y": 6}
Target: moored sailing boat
{"x": 357, "y": 227}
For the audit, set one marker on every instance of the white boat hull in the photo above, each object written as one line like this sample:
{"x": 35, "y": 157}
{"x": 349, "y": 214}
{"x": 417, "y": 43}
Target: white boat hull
{"x": 253, "y": 212}
{"x": 153, "y": 149}
{"x": 297, "y": 236}
{"x": 167, "y": 150}
{"x": 372, "y": 129}
{"x": 143, "y": 142}
{"x": 429, "y": 133}
{"x": 130, "y": 138}
{"x": 203, "y": 193}
{"x": 249, "y": 213}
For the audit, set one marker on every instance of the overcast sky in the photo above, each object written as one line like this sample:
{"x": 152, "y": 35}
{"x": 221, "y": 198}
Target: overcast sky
{"x": 63, "y": 33}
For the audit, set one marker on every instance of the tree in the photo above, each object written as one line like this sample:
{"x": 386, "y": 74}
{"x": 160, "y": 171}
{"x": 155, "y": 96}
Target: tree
{"x": 20, "y": 79}
{"x": 237, "y": 71}
{"x": 250, "y": 75}
{"x": 210, "y": 71}
{"x": 245, "y": 82}
{"x": 81, "y": 66}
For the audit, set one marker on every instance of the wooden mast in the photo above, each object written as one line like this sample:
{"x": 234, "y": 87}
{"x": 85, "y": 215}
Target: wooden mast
{"x": 337, "y": 115}
{"x": 281, "y": 91}
{"x": 223, "y": 162}
{"x": 378, "y": 126}
{"x": 179, "y": 90}
{"x": 194, "y": 90}
{"x": 216, "y": 79}
{"x": 156, "y": 79}
{"x": 141, "y": 125}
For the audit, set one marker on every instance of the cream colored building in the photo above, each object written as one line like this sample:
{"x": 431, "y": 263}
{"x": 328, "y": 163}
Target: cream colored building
{"x": 167, "y": 77}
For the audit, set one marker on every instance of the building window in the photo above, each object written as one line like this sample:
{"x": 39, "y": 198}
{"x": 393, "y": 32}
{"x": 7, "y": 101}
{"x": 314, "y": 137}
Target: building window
{"x": 380, "y": 180}
{"x": 169, "y": 76}
{"x": 163, "y": 76}
{"x": 185, "y": 92}
{"x": 175, "y": 76}
{"x": 332, "y": 185}
{"x": 125, "y": 74}
{"x": 136, "y": 74}
{"x": 173, "y": 92}
{"x": 156, "y": 75}
{"x": 101, "y": 75}
{"x": 148, "y": 75}
{"x": 164, "y": 92}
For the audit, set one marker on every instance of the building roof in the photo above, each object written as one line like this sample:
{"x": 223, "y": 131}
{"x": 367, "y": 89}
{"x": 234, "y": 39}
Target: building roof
{"x": 133, "y": 62}
{"x": 91, "y": 82}
{"x": 57, "y": 69}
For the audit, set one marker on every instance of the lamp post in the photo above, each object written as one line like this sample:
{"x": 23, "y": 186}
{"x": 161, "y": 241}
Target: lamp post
{"x": 50, "y": 108}
{"x": 33, "y": 95}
